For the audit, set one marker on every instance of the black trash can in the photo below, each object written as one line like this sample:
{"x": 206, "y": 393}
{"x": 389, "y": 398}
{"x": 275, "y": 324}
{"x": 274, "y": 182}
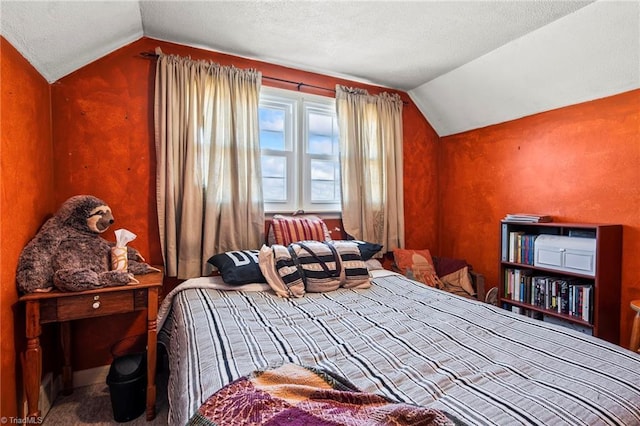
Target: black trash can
{"x": 127, "y": 380}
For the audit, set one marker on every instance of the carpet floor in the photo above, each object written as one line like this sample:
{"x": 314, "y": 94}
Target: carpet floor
{"x": 91, "y": 405}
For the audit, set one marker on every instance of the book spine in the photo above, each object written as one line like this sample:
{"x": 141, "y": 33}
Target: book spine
{"x": 505, "y": 243}
{"x": 512, "y": 246}
{"x": 532, "y": 249}
{"x": 507, "y": 293}
{"x": 519, "y": 249}
{"x": 586, "y": 305}
{"x": 547, "y": 293}
{"x": 564, "y": 296}
{"x": 571, "y": 300}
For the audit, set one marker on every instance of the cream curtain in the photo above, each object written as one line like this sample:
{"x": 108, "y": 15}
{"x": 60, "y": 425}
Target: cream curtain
{"x": 371, "y": 166}
{"x": 209, "y": 191}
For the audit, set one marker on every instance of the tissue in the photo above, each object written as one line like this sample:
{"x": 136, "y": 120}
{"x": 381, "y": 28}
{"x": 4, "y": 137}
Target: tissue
{"x": 119, "y": 252}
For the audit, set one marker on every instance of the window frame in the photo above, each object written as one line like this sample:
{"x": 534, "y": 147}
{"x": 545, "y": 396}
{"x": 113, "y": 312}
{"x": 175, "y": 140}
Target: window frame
{"x": 298, "y": 188}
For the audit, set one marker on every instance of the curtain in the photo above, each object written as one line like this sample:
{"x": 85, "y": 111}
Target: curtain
{"x": 371, "y": 166}
{"x": 208, "y": 181}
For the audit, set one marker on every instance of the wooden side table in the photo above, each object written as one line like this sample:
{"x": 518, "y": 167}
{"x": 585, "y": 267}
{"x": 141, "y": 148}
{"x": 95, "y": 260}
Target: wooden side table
{"x": 62, "y": 307}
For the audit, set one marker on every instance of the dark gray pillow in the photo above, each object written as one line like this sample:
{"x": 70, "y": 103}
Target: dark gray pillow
{"x": 238, "y": 267}
{"x": 367, "y": 250}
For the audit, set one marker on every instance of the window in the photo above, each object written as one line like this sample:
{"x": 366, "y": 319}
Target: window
{"x": 300, "y": 152}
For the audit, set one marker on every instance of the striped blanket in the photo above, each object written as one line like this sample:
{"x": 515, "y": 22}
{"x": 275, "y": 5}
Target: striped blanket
{"x": 407, "y": 342}
{"x": 295, "y": 395}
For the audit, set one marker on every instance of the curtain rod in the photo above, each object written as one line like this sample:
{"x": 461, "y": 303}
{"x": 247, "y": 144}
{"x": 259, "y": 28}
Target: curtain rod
{"x": 298, "y": 84}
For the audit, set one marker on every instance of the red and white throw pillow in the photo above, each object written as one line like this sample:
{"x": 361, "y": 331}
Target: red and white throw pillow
{"x": 290, "y": 229}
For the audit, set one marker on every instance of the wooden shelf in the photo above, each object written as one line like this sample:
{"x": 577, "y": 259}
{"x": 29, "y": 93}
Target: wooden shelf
{"x": 606, "y": 280}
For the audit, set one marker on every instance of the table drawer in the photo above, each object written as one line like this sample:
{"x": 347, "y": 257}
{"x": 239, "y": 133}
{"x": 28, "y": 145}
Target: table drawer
{"x": 94, "y": 305}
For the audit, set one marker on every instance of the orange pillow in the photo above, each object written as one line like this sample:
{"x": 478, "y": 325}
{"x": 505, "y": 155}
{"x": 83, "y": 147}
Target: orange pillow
{"x": 418, "y": 265}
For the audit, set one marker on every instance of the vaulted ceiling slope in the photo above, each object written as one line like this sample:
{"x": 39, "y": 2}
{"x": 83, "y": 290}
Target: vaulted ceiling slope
{"x": 466, "y": 64}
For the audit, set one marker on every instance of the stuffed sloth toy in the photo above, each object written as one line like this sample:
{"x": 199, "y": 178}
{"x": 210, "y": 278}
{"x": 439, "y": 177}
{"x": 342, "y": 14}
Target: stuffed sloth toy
{"x": 69, "y": 253}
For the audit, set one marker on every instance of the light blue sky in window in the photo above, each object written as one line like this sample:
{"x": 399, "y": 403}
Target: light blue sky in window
{"x": 274, "y": 189}
{"x": 324, "y": 170}
{"x": 271, "y": 140}
{"x": 274, "y": 173}
{"x": 325, "y": 181}
{"x": 322, "y": 139}
{"x": 324, "y": 191}
{"x": 320, "y": 124}
{"x": 274, "y": 166}
{"x": 271, "y": 128}
{"x": 323, "y": 134}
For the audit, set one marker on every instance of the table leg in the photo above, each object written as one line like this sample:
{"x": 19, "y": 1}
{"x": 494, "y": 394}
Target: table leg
{"x": 152, "y": 340}
{"x": 67, "y": 371}
{"x": 32, "y": 359}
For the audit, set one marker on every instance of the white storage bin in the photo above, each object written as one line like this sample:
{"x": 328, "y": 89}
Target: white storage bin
{"x": 569, "y": 254}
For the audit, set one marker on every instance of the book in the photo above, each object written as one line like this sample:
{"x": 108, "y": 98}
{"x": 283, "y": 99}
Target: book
{"x": 586, "y": 305}
{"x": 505, "y": 242}
{"x": 528, "y": 218}
{"x": 563, "y": 306}
{"x": 583, "y": 305}
{"x": 514, "y": 237}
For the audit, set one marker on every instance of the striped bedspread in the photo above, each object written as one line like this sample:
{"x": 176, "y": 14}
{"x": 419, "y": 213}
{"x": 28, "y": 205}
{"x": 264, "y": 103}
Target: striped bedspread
{"x": 407, "y": 342}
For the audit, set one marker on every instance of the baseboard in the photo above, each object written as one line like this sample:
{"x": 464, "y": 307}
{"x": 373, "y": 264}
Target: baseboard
{"x": 91, "y": 376}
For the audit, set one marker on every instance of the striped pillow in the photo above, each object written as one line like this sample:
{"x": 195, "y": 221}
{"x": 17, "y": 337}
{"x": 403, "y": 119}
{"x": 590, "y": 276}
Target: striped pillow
{"x": 314, "y": 267}
{"x": 356, "y": 273}
{"x": 290, "y": 229}
{"x": 268, "y": 257}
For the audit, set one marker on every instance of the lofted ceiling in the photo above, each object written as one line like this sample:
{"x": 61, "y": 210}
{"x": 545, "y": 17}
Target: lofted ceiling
{"x": 466, "y": 64}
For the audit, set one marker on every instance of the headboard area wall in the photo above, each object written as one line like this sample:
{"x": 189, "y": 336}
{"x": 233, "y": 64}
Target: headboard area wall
{"x": 103, "y": 144}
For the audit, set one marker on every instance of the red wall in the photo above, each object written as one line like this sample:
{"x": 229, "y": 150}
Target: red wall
{"x": 421, "y": 171}
{"x": 579, "y": 164}
{"x": 103, "y": 145}
{"x": 26, "y": 181}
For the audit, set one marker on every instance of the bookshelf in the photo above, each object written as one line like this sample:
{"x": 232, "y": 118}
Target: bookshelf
{"x": 571, "y": 275}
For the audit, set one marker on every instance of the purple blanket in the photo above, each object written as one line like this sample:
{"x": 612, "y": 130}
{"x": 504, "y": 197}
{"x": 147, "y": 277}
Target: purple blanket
{"x": 296, "y": 395}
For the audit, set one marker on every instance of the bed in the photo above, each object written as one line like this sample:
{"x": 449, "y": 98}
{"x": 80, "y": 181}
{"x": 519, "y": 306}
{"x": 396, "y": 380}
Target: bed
{"x": 403, "y": 340}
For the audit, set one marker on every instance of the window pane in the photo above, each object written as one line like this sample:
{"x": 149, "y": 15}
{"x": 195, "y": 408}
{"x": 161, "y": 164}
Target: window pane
{"x": 324, "y": 191}
{"x": 319, "y": 144}
{"x": 274, "y": 166}
{"x": 274, "y": 189}
{"x": 322, "y": 134}
{"x": 325, "y": 181}
{"x": 320, "y": 124}
{"x": 274, "y": 177}
{"x": 323, "y": 170}
{"x": 272, "y": 128}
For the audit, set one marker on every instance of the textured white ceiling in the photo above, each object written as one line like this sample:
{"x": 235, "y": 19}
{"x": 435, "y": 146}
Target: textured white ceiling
{"x": 590, "y": 54}
{"x": 395, "y": 44}
{"x": 58, "y": 37}
{"x": 466, "y": 64}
